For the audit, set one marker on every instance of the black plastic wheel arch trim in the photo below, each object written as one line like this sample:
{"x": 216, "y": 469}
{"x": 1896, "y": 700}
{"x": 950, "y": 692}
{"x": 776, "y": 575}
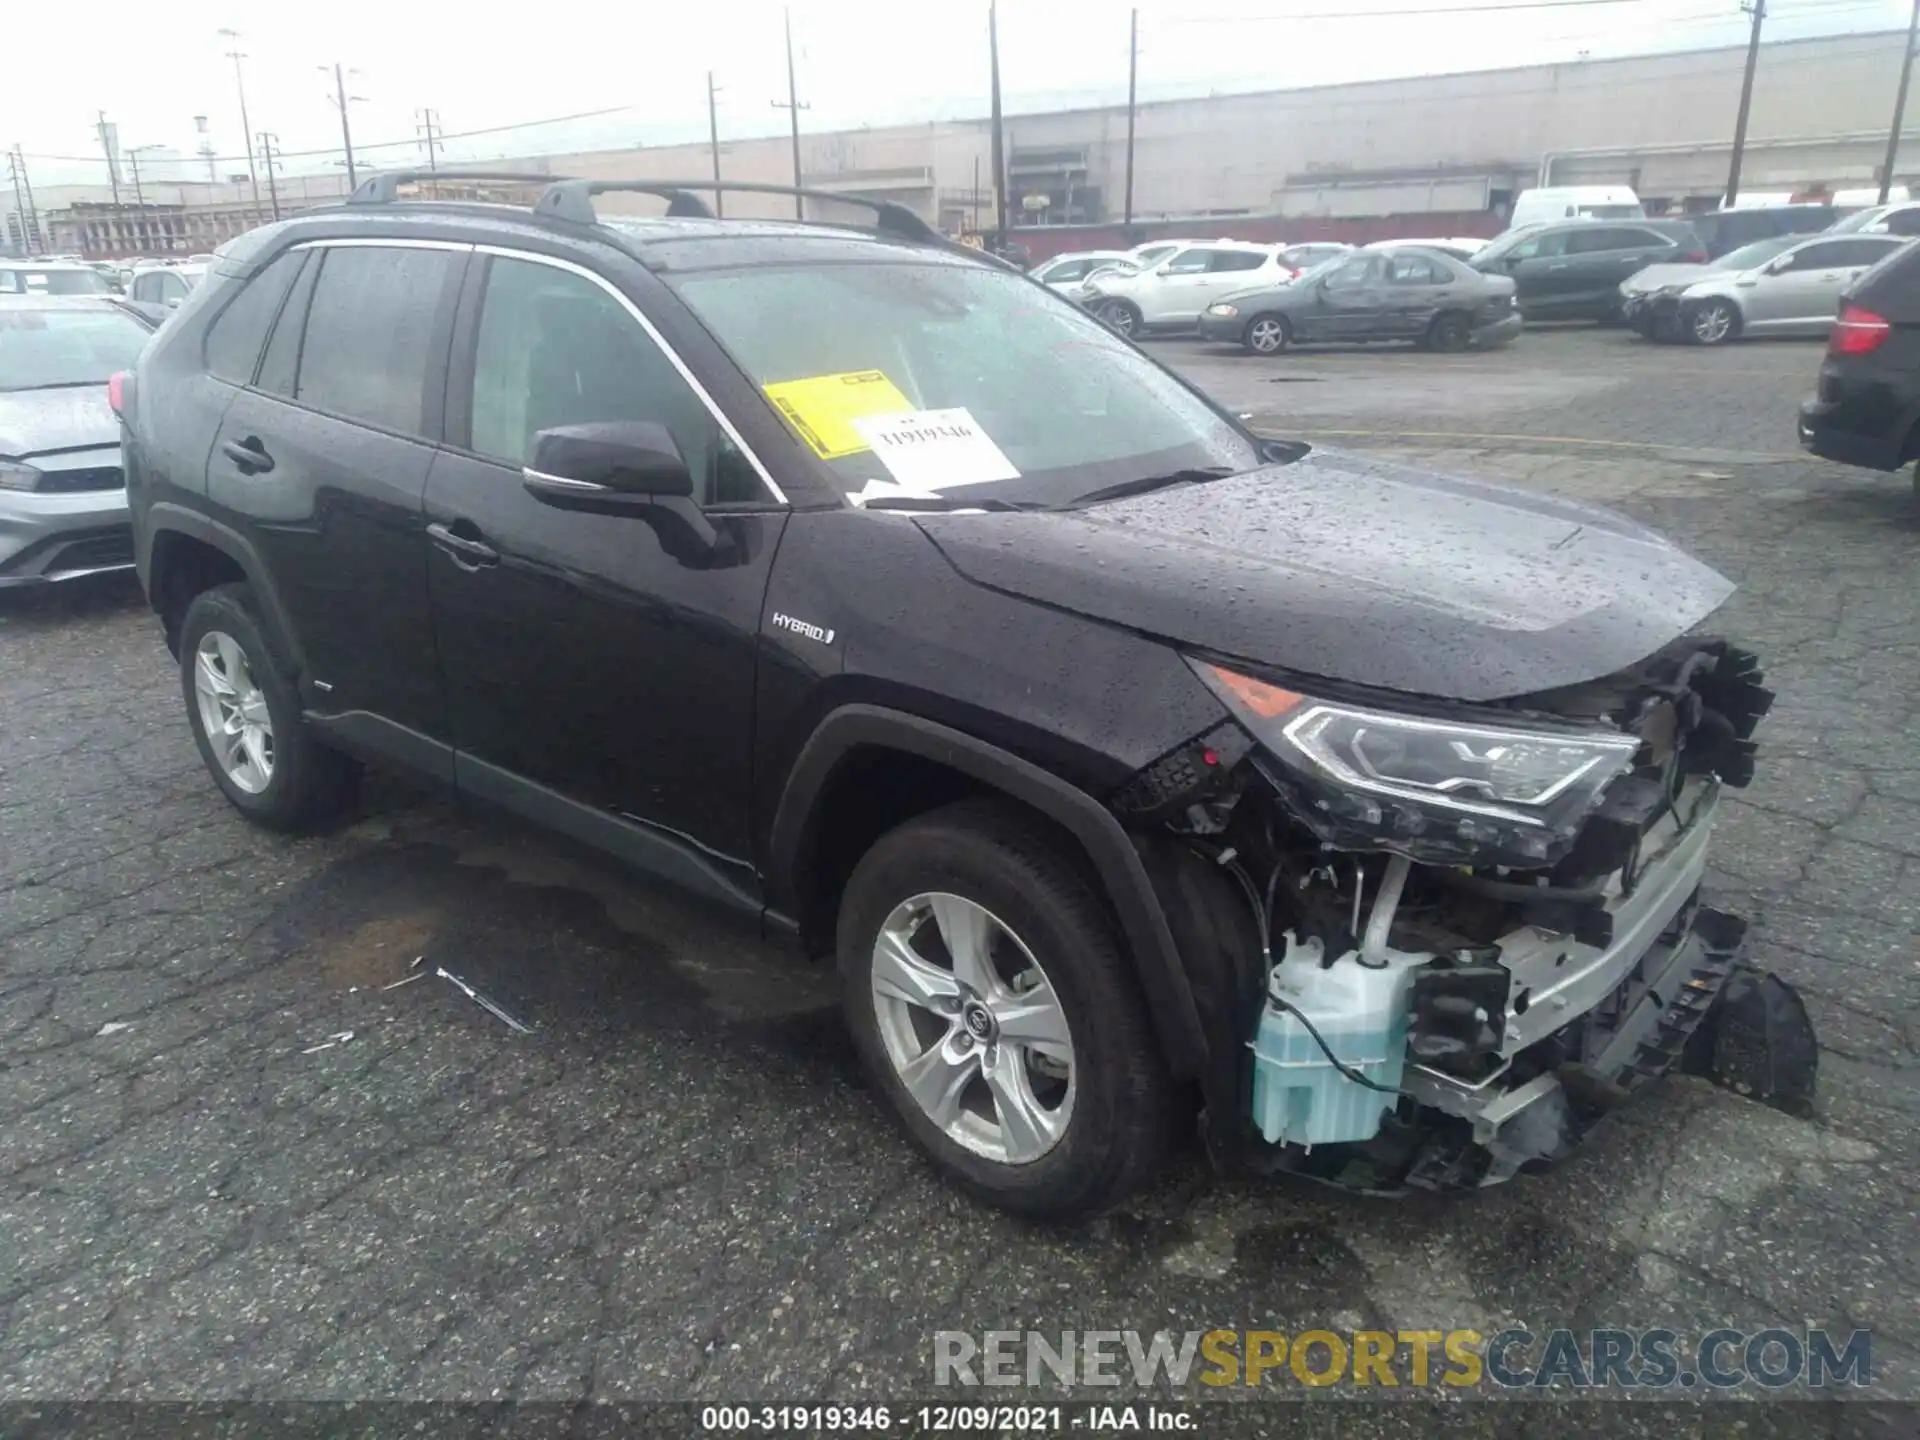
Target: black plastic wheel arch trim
{"x": 163, "y": 516}
{"x": 1169, "y": 993}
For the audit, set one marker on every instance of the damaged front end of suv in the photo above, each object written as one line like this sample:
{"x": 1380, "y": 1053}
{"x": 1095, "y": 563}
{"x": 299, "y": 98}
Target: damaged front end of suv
{"x": 1446, "y": 939}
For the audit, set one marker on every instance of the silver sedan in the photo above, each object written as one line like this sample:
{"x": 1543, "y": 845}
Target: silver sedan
{"x": 63, "y": 498}
{"x": 1794, "y": 293}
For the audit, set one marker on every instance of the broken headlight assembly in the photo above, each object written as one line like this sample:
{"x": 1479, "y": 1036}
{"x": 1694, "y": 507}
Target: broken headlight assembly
{"x": 1446, "y": 792}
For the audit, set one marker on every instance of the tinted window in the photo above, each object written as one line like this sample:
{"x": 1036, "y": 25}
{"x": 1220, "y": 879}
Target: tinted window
{"x": 1066, "y": 270}
{"x": 370, "y": 330}
{"x": 1190, "y": 262}
{"x": 1598, "y": 238}
{"x": 1842, "y": 253}
{"x": 281, "y": 365}
{"x": 1415, "y": 270}
{"x": 1236, "y": 260}
{"x": 1536, "y": 247}
{"x": 554, "y": 348}
{"x": 1361, "y": 271}
{"x": 1902, "y": 222}
{"x": 233, "y": 341}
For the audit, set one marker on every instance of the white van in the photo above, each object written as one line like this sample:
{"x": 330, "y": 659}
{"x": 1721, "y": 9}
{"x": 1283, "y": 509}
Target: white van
{"x": 1576, "y": 202}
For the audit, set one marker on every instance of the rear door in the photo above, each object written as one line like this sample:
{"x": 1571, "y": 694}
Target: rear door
{"x": 1417, "y": 289}
{"x": 1540, "y": 271}
{"x": 1599, "y": 257}
{"x": 322, "y": 462}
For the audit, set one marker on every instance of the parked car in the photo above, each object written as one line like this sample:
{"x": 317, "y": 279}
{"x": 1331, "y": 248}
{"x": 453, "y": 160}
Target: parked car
{"x": 1459, "y": 247}
{"x": 51, "y": 277}
{"x": 1650, "y": 298}
{"x": 1172, "y": 294}
{"x": 1302, "y": 258}
{"x": 905, "y": 612}
{"x": 63, "y": 504}
{"x": 1794, "y": 293}
{"x": 1721, "y": 231}
{"x": 1065, "y": 271}
{"x": 1865, "y": 409}
{"x": 1572, "y": 270}
{"x": 1575, "y": 202}
{"x": 1892, "y": 219}
{"x": 1405, "y": 293}
{"x": 160, "y": 289}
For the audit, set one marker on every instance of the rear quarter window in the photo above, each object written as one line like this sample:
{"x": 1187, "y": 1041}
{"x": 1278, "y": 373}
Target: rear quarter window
{"x": 239, "y": 330}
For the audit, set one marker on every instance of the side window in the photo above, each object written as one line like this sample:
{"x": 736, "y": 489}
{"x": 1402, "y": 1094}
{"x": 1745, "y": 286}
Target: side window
{"x": 10, "y": 282}
{"x": 143, "y": 289}
{"x": 1540, "y": 247}
{"x": 1362, "y": 271}
{"x": 1237, "y": 260}
{"x": 1598, "y": 238}
{"x": 554, "y": 348}
{"x": 1859, "y": 252}
{"x": 238, "y": 331}
{"x": 1190, "y": 262}
{"x": 1414, "y": 270}
{"x": 370, "y": 329}
{"x": 171, "y": 287}
{"x": 280, "y": 366}
{"x": 1822, "y": 256}
{"x": 1903, "y": 222}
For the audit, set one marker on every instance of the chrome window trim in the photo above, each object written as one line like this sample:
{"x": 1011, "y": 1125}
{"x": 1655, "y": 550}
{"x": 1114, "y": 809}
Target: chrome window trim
{"x": 528, "y": 472}
{"x": 653, "y": 333}
{"x": 341, "y": 242}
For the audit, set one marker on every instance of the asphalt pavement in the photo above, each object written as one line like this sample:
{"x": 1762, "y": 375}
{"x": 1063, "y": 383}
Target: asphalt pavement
{"x": 240, "y": 1158}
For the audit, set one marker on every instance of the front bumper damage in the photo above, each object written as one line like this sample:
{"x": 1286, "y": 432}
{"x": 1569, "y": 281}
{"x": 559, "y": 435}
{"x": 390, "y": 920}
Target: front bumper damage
{"x": 1536, "y": 1001}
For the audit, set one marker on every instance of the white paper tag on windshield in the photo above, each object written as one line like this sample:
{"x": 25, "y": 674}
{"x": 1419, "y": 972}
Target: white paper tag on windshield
{"x": 928, "y": 451}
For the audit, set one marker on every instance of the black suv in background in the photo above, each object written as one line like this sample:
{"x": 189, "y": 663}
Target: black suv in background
{"x": 1723, "y": 231}
{"x": 1865, "y": 409}
{"x": 1572, "y": 269}
{"x": 1133, "y": 767}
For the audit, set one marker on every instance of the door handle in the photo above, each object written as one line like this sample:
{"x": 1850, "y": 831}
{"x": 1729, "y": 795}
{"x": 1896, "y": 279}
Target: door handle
{"x": 1558, "y": 264}
{"x": 249, "y": 455}
{"x": 470, "y": 554}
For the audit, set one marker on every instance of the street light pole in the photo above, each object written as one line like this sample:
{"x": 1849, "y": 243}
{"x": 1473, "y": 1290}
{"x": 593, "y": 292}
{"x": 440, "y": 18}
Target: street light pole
{"x": 1746, "y": 103}
{"x": 1899, "y": 104}
{"x": 999, "y": 145}
{"x": 713, "y": 139}
{"x": 267, "y": 143}
{"x": 793, "y": 114}
{"x": 1133, "y": 76}
{"x": 346, "y": 127}
{"x": 246, "y": 127}
{"x": 113, "y": 168}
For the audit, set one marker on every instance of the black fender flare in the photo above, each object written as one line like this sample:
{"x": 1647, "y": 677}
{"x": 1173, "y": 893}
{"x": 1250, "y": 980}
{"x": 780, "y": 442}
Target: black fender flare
{"x": 1129, "y": 888}
{"x": 163, "y": 516}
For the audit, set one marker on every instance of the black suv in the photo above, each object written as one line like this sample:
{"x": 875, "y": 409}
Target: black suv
{"x": 1865, "y": 409}
{"x": 1571, "y": 270}
{"x": 1133, "y": 767}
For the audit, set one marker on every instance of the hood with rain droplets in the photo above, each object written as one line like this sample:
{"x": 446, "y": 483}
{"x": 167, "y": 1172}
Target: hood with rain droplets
{"x": 1355, "y": 569}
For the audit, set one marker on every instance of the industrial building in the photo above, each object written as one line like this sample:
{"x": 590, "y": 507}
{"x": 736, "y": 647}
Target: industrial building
{"x": 1349, "y": 160}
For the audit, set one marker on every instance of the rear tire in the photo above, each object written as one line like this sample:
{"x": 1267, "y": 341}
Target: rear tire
{"x": 1266, "y": 335}
{"x": 246, "y": 718}
{"x": 1449, "y": 334}
{"x": 1050, "y": 942}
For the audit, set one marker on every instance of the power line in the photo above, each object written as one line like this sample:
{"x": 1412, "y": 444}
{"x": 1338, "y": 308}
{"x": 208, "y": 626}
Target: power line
{"x": 1436, "y": 11}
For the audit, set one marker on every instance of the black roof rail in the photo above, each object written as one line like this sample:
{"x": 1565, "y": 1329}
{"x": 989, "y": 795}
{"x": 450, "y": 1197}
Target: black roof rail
{"x": 384, "y": 189}
{"x": 573, "y": 200}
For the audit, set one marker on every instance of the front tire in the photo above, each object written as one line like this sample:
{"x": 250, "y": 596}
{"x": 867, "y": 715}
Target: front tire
{"x": 1266, "y": 335}
{"x": 246, "y": 718}
{"x": 1713, "y": 322}
{"x": 994, "y": 1007}
{"x": 1119, "y": 316}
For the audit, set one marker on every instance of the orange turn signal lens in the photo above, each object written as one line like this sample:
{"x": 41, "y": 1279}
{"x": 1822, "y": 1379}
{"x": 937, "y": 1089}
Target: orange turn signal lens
{"x": 1260, "y": 698}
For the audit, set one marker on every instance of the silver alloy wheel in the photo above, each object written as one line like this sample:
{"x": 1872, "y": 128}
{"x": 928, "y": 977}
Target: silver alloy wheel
{"x": 1266, "y": 336}
{"x": 1712, "y": 322}
{"x": 1119, "y": 316}
{"x": 233, "y": 711}
{"x": 973, "y": 1027}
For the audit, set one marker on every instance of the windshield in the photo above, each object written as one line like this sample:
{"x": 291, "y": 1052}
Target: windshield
{"x": 1859, "y": 220}
{"x": 16, "y": 280}
{"x": 934, "y": 379}
{"x": 40, "y": 348}
{"x": 1148, "y": 255}
{"x": 1758, "y": 253}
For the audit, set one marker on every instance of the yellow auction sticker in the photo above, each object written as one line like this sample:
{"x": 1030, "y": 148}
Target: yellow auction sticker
{"x": 822, "y": 408}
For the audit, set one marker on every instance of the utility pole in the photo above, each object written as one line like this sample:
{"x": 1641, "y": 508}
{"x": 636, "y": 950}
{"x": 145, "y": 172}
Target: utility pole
{"x": 1133, "y": 78}
{"x": 269, "y": 142}
{"x": 428, "y": 120}
{"x": 713, "y": 138}
{"x": 1746, "y": 102}
{"x": 346, "y": 126}
{"x": 999, "y": 144}
{"x": 1899, "y": 104}
{"x": 793, "y": 107}
{"x": 133, "y": 159}
{"x": 113, "y": 167}
{"x": 236, "y": 54}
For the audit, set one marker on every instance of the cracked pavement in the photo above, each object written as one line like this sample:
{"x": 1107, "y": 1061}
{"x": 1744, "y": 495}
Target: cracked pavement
{"x": 677, "y": 1187}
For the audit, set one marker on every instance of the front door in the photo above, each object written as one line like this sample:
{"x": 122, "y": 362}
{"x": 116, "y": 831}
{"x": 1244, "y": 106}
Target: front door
{"x": 593, "y": 679}
{"x": 1350, "y": 300}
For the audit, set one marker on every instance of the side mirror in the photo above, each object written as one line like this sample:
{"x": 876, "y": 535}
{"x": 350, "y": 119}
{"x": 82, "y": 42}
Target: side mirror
{"x": 623, "y": 467}
{"x": 172, "y": 302}
{"x": 1778, "y": 267}
{"x": 1166, "y": 269}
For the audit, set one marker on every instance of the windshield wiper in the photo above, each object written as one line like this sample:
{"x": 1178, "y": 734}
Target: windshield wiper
{"x": 1149, "y": 482}
{"x": 50, "y": 385}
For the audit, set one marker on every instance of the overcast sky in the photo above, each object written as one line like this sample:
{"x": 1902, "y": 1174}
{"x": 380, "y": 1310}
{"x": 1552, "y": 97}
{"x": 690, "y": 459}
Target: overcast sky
{"x": 153, "y": 67}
